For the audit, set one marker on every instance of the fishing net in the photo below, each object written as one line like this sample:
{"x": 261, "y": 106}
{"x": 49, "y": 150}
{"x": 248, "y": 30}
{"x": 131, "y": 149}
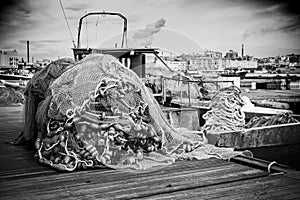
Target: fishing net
{"x": 10, "y": 96}
{"x": 99, "y": 113}
{"x": 282, "y": 118}
{"x": 36, "y": 93}
{"x": 225, "y": 112}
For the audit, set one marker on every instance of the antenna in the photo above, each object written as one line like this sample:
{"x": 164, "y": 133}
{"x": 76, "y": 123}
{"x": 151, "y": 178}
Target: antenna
{"x": 67, "y": 23}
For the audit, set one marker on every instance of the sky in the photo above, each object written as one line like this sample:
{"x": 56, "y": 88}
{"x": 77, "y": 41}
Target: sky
{"x": 265, "y": 27}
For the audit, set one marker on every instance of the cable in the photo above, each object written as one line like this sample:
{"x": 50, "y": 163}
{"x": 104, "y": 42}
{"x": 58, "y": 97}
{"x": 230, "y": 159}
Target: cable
{"x": 87, "y": 35}
{"x": 67, "y": 24}
{"x": 97, "y": 28}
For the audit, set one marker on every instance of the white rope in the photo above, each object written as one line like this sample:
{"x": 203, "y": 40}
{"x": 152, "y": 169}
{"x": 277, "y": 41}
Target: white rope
{"x": 270, "y": 165}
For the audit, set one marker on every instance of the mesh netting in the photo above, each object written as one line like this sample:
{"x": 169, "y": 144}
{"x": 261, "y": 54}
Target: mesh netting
{"x": 36, "y": 93}
{"x": 225, "y": 112}
{"x": 99, "y": 113}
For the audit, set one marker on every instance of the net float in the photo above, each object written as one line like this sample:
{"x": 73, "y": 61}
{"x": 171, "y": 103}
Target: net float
{"x": 92, "y": 150}
{"x": 57, "y": 160}
{"x": 156, "y": 139}
{"x": 107, "y": 157}
{"x": 111, "y": 132}
{"x": 37, "y": 143}
{"x": 101, "y": 142}
{"x": 82, "y": 152}
{"x": 86, "y": 154}
{"x": 62, "y": 137}
{"x": 188, "y": 148}
{"x": 79, "y": 165}
{"x": 107, "y": 152}
{"x": 95, "y": 153}
{"x": 111, "y": 138}
{"x": 104, "y": 126}
{"x": 59, "y": 167}
{"x": 67, "y": 159}
{"x": 118, "y": 127}
{"x": 137, "y": 127}
{"x": 103, "y": 160}
{"x": 83, "y": 165}
{"x": 94, "y": 126}
{"x": 62, "y": 144}
{"x": 89, "y": 147}
{"x": 184, "y": 147}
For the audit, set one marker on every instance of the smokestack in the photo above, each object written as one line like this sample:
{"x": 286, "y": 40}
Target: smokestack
{"x": 27, "y": 51}
{"x": 242, "y": 51}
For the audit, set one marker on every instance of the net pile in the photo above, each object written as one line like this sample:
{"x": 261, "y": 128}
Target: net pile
{"x": 99, "y": 113}
{"x": 37, "y": 98}
{"x": 10, "y": 96}
{"x": 283, "y": 118}
{"x": 225, "y": 112}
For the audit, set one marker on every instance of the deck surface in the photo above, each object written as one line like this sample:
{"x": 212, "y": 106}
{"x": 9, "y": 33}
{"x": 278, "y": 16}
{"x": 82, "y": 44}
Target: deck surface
{"x": 22, "y": 177}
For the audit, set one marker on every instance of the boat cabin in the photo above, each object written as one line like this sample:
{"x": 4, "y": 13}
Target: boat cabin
{"x": 132, "y": 58}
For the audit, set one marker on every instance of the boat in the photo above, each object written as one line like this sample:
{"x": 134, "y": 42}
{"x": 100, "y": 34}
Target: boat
{"x": 233, "y": 72}
{"x": 15, "y": 77}
{"x": 15, "y": 85}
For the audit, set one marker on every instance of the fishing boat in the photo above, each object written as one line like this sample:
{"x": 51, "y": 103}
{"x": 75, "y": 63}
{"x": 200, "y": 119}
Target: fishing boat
{"x": 234, "y": 72}
{"x": 16, "y": 84}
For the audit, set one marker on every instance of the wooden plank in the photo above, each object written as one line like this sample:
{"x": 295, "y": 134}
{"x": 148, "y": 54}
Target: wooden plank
{"x": 263, "y": 187}
{"x": 109, "y": 174}
{"x": 128, "y": 185}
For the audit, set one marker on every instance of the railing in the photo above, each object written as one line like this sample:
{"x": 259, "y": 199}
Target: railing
{"x": 189, "y": 83}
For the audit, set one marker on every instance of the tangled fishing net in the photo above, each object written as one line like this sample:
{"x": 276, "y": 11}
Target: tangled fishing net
{"x": 37, "y": 95}
{"x": 282, "y": 118}
{"x": 10, "y": 96}
{"x": 225, "y": 112}
{"x": 99, "y": 113}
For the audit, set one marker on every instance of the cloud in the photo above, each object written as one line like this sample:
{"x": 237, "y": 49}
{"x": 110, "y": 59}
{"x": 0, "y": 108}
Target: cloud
{"x": 265, "y": 27}
{"x": 14, "y": 16}
{"x": 279, "y": 9}
{"x": 10, "y": 10}
{"x": 277, "y": 15}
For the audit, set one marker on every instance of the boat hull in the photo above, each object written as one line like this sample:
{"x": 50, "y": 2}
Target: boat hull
{"x": 282, "y": 134}
{"x": 14, "y": 77}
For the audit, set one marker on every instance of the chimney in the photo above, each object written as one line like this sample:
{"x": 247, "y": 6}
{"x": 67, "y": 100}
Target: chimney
{"x": 242, "y": 51}
{"x": 28, "y": 52}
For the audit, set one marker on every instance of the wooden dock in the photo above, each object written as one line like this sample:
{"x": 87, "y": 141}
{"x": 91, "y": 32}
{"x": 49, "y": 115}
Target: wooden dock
{"x": 22, "y": 177}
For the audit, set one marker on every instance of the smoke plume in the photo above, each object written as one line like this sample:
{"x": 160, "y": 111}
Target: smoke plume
{"x": 144, "y": 37}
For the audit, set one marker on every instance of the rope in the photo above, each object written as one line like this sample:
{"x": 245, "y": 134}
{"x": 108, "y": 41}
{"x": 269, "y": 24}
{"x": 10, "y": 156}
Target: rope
{"x": 87, "y": 35}
{"x": 270, "y": 165}
{"x": 67, "y": 24}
